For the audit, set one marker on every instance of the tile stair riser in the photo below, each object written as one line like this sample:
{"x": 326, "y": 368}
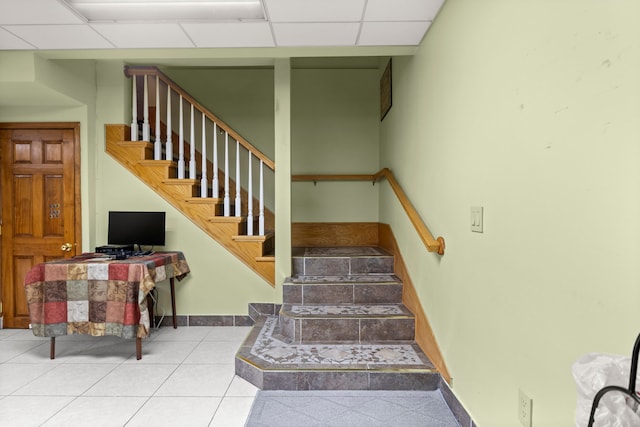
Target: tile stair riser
{"x": 336, "y": 379}
{"x": 345, "y": 293}
{"x": 335, "y": 330}
{"x": 341, "y": 266}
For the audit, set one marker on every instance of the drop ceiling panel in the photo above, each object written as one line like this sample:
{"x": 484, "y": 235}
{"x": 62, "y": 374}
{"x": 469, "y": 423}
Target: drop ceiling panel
{"x": 402, "y": 10}
{"x": 36, "y": 12}
{"x": 392, "y": 33}
{"x": 230, "y": 34}
{"x": 316, "y": 34}
{"x": 51, "y": 24}
{"x": 59, "y": 36}
{"x": 314, "y": 11}
{"x": 10, "y": 41}
{"x": 144, "y": 35}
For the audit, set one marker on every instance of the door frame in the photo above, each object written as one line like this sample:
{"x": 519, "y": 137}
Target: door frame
{"x": 75, "y": 126}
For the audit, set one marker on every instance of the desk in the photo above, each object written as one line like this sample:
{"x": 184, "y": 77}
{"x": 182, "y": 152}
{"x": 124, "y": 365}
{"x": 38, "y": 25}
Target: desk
{"x": 91, "y": 294}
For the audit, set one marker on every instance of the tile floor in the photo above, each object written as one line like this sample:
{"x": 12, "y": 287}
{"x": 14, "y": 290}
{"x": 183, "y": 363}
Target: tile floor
{"x": 186, "y": 377}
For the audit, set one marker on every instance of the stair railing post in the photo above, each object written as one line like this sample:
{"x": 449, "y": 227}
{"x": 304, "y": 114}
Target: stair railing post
{"x": 181, "y": 143}
{"x": 250, "y": 200}
{"x": 146, "y": 129}
{"x": 169, "y": 145}
{"x": 261, "y": 211}
{"x": 204, "y": 184}
{"x": 214, "y": 181}
{"x": 157, "y": 146}
{"x": 134, "y": 110}
{"x": 238, "y": 194}
{"x": 227, "y": 207}
{"x": 192, "y": 147}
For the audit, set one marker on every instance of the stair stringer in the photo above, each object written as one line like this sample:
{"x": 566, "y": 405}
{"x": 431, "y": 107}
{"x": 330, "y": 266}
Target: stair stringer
{"x": 157, "y": 174}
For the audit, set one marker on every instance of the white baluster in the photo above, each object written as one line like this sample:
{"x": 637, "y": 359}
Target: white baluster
{"x": 214, "y": 182}
{"x": 250, "y": 200}
{"x": 181, "y": 144}
{"x": 146, "y": 129}
{"x": 227, "y": 208}
{"x": 169, "y": 146}
{"x": 203, "y": 181}
{"x": 134, "y": 110}
{"x": 157, "y": 146}
{"x": 192, "y": 146}
{"x": 238, "y": 200}
{"x": 261, "y": 212}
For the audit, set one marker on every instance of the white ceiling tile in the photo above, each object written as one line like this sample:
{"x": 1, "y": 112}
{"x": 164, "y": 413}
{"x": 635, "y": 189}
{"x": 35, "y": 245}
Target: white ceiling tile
{"x": 392, "y": 33}
{"x": 230, "y": 34}
{"x": 314, "y": 11}
{"x": 9, "y": 41}
{"x": 36, "y": 12}
{"x": 402, "y": 10}
{"x": 144, "y": 35}
{"x": 59, "y": 36}
{"x": 316, "y": 34}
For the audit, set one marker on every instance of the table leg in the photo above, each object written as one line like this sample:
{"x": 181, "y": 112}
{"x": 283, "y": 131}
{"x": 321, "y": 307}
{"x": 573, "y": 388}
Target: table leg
{"x": 52, "y": 351}
{"x": 138, "y": 348}
{"x": 173, "y": 303}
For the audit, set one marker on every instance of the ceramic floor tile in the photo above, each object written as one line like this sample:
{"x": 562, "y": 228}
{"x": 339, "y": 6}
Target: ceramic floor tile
{"x": 198, "y": 380}
{"x": 233, "y": 411}
{"x": 241, "y": 388}
{"x": 164, "y": 351}
{"x": 65, "y": 351}
{"x": 14, "y": 350}
{"x": 66, "y": 380}
{"x": 27, "y": 411}
{"x": 16, "y": 375}
{"x": 228, "y": 333}
{"x": 132, "y": 380}
{"x": 214, "y": 352}
{"x": 191, "y": 333}
{"x": 97, "y": 412}
{"x": 176, "y": 411}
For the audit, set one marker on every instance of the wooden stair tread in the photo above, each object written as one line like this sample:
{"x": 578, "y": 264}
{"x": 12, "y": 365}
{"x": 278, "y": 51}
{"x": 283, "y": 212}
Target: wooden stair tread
{"x": 135, "y": 156}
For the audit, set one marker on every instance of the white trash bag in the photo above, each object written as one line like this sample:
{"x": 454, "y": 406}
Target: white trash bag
{"x": 594, "y": 371}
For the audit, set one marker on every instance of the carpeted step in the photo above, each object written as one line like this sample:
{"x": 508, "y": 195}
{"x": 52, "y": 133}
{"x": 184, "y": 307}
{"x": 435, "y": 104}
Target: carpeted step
{"x": 272, "y": 364}
{"x": 356, "y": 323}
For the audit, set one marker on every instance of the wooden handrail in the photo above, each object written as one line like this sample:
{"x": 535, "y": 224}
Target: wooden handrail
{"x": 432, "y": 244}
{"x": 131, "y": 71}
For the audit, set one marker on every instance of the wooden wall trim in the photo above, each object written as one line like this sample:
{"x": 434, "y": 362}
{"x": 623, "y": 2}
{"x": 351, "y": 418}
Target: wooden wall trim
{"x": 318, "y": 234}
{"x": 424, "y": 334}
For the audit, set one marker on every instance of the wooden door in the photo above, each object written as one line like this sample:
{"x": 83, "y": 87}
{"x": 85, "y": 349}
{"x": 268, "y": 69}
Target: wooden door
{"x": 40, "y": 197}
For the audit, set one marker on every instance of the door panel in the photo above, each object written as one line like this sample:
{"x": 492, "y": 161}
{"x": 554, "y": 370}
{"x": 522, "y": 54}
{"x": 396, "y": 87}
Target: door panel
{"x": 40, "y": 205}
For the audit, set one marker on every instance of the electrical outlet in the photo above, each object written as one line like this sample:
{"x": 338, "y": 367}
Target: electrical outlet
{"x": 525, "y": 409}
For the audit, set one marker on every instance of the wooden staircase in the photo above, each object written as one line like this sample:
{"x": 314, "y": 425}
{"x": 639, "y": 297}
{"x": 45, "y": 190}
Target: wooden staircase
{"x": 257, "y": 252}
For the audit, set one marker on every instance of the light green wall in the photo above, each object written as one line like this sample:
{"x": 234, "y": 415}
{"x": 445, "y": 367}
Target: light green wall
{"x": 241, "y": 97}
{"x": 334, "y": 131}
{"x": 529, "y": 109}
{"x": 219, "y": 284}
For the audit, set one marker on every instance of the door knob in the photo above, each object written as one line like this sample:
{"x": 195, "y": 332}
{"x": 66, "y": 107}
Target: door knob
{"x": 66, "y": 247}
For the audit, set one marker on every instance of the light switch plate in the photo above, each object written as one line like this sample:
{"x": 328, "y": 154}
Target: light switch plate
{"x": 477, "y": 219}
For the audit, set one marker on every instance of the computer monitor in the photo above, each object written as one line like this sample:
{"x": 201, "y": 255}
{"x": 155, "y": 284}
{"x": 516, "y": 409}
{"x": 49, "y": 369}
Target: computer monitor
{"x": 136, "y": 228}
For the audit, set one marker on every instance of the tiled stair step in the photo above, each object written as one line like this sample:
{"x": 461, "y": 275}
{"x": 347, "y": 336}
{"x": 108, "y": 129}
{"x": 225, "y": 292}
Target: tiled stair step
{"x": 345, "y": 323}
{"x": 350, "y": 289}
{"x": 272, "y": 364}
{"x": 341, "y": 261}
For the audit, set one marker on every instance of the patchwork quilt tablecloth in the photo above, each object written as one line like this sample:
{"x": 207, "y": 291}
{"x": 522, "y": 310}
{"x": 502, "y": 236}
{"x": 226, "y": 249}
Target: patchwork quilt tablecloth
{"x": 93, "y": 295}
